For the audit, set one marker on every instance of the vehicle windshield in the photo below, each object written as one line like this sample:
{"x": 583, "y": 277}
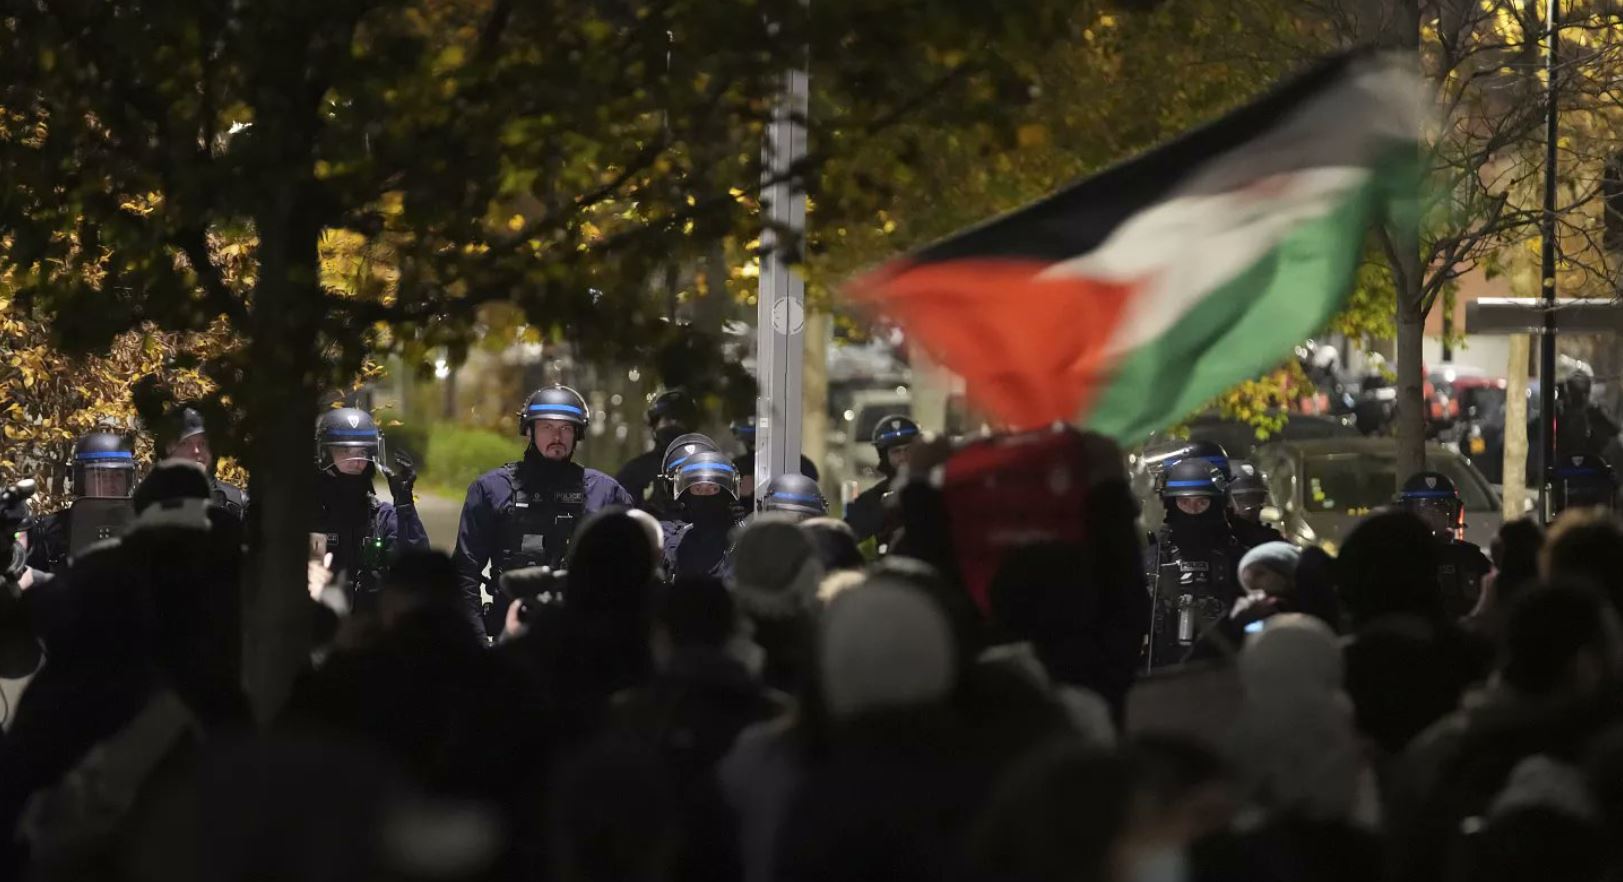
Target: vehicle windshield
{"x": 1354, "y": 483}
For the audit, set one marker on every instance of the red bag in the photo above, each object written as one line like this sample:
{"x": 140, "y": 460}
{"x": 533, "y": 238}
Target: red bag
{"x": 1013, "y": 490}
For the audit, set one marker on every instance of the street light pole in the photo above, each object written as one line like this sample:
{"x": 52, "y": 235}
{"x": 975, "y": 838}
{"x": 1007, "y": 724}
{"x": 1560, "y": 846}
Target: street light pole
{"x": 1546, "y": 464}
{"x": 781, "y": 309}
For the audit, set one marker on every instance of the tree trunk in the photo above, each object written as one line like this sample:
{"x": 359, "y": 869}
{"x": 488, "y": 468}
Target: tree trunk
{"x": 281, "y": 399}
{"x": 1404, "y": 34}
{"x": 1515, "y": 473}
{"x": 1411, "y": 423}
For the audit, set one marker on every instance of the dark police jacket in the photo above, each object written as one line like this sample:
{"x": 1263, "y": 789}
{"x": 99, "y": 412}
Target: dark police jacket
{"x": 523, "y": 514}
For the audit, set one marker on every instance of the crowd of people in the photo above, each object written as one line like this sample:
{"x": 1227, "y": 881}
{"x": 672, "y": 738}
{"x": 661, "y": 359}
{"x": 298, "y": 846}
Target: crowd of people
{"x": 665, "y": 681}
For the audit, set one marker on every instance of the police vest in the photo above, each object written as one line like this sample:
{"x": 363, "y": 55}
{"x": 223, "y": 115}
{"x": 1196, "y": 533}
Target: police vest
{"x": 538, "y": 523}
{"x": 1192, "y": 593}
{"x": 363, "y": 573}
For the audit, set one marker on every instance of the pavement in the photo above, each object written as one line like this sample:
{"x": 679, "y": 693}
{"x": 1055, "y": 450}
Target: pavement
{"x": 441, "y": 515}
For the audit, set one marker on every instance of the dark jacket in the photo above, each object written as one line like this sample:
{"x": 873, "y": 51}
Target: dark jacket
{"x": 480, "y": 536}
{"x": 866, "y": 513}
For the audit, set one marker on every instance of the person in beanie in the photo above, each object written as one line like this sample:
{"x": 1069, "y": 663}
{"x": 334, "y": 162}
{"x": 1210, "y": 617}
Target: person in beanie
{"x": 776, "y": 574}
{"x": 1270, "y": 568}
{"x": 900, "y": 784}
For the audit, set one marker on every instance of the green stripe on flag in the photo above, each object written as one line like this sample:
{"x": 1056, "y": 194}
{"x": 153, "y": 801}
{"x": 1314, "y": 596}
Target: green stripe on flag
{"x": 1245, "y": 326}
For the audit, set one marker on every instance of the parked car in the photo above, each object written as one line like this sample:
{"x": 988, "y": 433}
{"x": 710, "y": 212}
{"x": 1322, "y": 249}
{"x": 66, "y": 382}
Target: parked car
{"x": 1321, "y": 489}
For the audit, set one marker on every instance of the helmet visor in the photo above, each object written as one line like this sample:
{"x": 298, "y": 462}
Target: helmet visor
{"x": 1439, "y": 512}
{"x": 721, "y": 475}
{"x": 798, "y": 503}
{"x": 352, "y": 457}
{"x": 106, "y": 482}
{"x": 1249, "y": 501}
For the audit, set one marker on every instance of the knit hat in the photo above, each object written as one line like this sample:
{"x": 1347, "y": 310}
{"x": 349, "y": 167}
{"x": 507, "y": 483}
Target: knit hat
{"x": 1280, "y": 557}
{"x": 775, "y": 569}
{"x": 884, "y": 645}
{"x": 174, "y": 494}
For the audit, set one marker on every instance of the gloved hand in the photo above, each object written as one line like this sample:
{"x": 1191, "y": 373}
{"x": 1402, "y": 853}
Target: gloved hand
{"x": 402, "y": 478}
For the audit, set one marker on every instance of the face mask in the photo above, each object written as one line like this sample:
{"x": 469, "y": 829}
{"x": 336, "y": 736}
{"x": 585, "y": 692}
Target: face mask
{"x": 1161, "y": 865}
{"x": 709, "y": 507}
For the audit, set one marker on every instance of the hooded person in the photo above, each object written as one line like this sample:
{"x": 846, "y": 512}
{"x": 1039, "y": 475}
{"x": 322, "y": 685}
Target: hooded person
{"x": 836, "y": 544}
{"x": 142, "y": 638}
{"x": 596, "y": 643}
{"x": 898, "y": 789}
{"x": 1295, "y": 747}
{"x": 776, "y": 575}
{"x": 1554, "y": 686}
{"x": 1407, "y": 664}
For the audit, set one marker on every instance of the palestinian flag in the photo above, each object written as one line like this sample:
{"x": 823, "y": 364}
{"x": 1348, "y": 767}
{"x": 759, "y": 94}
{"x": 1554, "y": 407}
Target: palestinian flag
{"x": 1130, "y": 299}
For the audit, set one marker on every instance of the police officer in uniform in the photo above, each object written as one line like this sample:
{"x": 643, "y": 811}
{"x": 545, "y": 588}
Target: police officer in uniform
{"x": 795, "y": 495}
{"x": 183, "y": 435}
{"x": 744, "y": 433}
{"x": 363, "y": 533}
{"x": 1248, "y": 493}
{"x": 662, "y": 493}
{"x": 893, "y": 437}
{"x": 672, "y": 414}
{"x": 1193, "y": 561}
{"x": 1584, "y": 482}
{"x": 1461, "y": 565}
{"x": 103, "y": 469}
{"x": 701, "y": 545}
{"x": 525, "y": 513}
{"x": 1250, "y": 531}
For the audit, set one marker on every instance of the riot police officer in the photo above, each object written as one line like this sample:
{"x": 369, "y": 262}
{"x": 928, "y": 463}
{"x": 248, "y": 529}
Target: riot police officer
{"x": 1461, "y": 565}
{"x": 671, "y": 414}
{"x": 362, "y": 532}
{"x": 795, "y": 495}
{"x": 1583, "y": 482}
{"x": 103, "y": 473}
{"x": 744, "y": 433}
{"x": 1193, "y": 561}
{"x": 183, "y": 435}
{"x": 1251, "y": 532}
{"x": 525, "y": 513}
{"x": 707, "y": 490}
{"x": 1248, "y": 493}
{"x": 662, "y": 492}
{"x": 893, "y": 437}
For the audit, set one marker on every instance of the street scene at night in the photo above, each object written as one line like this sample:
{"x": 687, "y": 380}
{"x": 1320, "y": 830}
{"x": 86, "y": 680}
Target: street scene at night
{"x": 777, "y": 441}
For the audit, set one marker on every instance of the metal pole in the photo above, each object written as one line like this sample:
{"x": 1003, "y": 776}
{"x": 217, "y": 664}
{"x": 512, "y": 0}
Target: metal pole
{"x": 1546, "y": 462}
{"x": 781, "y": 306}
